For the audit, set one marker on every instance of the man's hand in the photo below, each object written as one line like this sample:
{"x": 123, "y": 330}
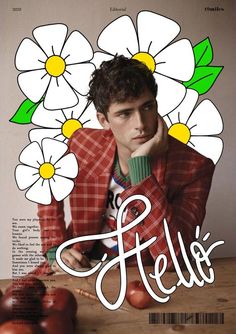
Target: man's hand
{"x": 73, "y": 259}
{"x": 157, "y": 145}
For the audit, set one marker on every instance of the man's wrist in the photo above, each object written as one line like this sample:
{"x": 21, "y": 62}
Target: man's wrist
{"x": 138, "y": 154}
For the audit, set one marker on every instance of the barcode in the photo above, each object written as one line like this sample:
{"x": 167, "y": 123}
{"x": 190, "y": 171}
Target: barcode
{"x": 186, "y": 318}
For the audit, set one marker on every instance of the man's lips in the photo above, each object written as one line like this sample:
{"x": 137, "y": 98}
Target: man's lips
{"x": 141, "y": 137}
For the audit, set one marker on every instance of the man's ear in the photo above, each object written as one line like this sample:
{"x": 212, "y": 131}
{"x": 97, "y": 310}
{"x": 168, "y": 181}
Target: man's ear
{"x": 103, "y": 121}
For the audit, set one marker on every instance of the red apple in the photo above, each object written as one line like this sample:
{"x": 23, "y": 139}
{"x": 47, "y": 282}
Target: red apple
{"x": 57, "y": 323}
{"x": 20, "y": 304}
{"x": 137, "y": 295}
{"x": 32, "y": 283}
{"x": 60, "y": 299}
{"x": 19, "y": 327}
{"x": 3, "y": 316}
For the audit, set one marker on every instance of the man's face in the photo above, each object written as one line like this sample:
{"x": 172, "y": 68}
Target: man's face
{"x": 132, "y": 122}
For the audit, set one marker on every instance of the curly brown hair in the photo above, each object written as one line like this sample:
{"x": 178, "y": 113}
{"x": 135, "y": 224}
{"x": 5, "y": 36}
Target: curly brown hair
{"x": 119, "y": 79}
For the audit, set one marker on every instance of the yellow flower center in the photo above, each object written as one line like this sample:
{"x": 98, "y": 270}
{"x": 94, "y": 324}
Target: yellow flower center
{"x": 181, "y": 132}
{"x": 147, "y": 59}
{"x": 70, "y": 126}
{"x": 55, "y": 66}
{"x": 46, "y": 170}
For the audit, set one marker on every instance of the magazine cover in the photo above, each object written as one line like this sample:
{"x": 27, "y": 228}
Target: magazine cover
{"x": 117, "y": 175}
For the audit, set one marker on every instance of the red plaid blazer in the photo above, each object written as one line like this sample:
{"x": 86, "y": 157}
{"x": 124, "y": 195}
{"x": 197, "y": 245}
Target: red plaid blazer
{"x": 177, "y": 189}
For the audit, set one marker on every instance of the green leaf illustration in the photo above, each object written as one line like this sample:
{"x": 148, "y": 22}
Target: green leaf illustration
{"x": 203, "y": 53}
{"x": 25, "y": 112}
{"x": 203, "y": 78}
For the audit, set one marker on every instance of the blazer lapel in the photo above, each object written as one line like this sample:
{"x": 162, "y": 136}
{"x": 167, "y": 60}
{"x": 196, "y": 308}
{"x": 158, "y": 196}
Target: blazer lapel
{"x": 102, "y": 162}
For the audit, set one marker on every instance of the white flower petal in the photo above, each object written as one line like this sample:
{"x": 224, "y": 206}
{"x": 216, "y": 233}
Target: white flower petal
{"x": 77, "y": 110}
{"x": 77, "y": 49}
{"x": 79, "y": 76}
{"x": 26, "y": 176}
{"x": 33, "y": 84}
{"x": 60, "y": 95}
{"x": 61, "y": 137}
{"x": 99, "y": 57}
{"x": 39, "y": 134}
{"x": 155, "y": 31}
{"x": 205, "y": 120}
{"x": 176, "y": 61}
{"x": 53, "y": 150}
{"x": 68, "y": 113}
{"x": 119, "y": 37}
{"x": 89, "y": 118}
{"x": 48, "y": 118}
{"x": 40, "y": 192}
{"x": 29, "y": 56}
{"x": 32, "y": 155}
{"x": 170, "y": 93}
{"x": 93, "y": 124}
{"x": 183, "y": 111}
{"x": 67, "y": 166}
{"x": 210, "y": 147}
{"x": 167, "y": 120}
{"x": 51, "y": 38}
{"x": 61, "y": 187}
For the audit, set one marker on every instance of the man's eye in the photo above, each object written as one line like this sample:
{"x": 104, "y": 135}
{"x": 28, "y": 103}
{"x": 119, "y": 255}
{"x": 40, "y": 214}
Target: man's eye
{"x": 148, "y": 107}
{"x": 124, "y": 115}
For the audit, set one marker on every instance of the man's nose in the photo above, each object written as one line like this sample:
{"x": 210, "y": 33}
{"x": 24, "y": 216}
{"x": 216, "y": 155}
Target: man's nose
{"x": 139, "y": 121}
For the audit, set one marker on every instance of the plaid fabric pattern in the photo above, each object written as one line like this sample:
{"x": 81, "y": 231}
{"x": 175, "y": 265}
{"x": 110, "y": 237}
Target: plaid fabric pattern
{"x": 178, "y": 190}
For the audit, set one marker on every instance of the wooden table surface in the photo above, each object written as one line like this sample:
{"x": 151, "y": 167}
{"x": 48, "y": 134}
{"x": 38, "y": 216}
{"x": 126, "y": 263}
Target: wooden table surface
{"x": 93, "y": 317}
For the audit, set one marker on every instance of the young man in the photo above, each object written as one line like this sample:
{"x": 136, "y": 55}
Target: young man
{"x": 133, "y": 154}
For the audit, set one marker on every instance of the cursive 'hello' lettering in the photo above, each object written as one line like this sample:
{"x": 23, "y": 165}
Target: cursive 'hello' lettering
{"x": 197, "y": 250}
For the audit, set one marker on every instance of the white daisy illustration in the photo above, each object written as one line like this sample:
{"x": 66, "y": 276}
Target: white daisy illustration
{"x": 198, "y": 126}
{"x": 46, "y": 171}
{"x": 150, "y": 43}
{"x": 54, "y": 67}
{"x": 62, "y": 123}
